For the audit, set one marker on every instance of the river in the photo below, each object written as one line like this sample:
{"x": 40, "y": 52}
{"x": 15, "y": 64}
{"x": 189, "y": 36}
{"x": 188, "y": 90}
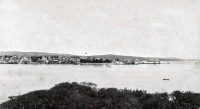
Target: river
{"x": 16, "y": 79}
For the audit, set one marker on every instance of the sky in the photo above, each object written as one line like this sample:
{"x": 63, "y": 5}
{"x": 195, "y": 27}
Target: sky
{"x": 158, "y": 28}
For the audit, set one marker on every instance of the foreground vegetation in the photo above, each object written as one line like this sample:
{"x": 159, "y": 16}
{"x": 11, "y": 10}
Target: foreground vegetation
{"x": 76, "y": 96}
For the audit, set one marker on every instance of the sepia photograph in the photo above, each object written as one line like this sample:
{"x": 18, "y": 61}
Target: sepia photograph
{"x": 99, "y": 54}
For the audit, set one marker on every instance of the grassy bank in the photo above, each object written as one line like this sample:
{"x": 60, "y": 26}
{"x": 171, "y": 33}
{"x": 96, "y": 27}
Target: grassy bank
{"x": 75, "y": 96}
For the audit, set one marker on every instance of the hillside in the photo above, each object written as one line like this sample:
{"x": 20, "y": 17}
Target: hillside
{"x": 30, "y": 53}
{"x": 121, "y": 57}
{"x": 108, "y": 56}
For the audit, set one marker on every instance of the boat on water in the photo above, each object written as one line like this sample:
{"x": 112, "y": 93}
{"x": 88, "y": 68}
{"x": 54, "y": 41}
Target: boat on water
{"x": 165, "y": 79}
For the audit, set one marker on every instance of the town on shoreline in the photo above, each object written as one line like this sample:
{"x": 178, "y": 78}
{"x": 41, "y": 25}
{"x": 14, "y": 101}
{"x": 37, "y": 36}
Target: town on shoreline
{"x": 62, "y": 59}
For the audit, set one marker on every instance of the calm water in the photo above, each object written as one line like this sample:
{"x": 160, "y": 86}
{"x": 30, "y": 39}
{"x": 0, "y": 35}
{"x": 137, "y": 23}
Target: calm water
{"x": 20, "y": 79}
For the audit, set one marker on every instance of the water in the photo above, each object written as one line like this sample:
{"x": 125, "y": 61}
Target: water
{"x": 19, "y": 79}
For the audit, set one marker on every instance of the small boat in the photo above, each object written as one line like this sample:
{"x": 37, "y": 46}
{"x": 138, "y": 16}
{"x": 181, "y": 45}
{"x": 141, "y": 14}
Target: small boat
{"x": 166, "y": 79}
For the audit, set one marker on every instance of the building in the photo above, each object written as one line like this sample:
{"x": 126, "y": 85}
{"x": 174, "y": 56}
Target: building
{"x": 13, "y": 60}
{"x": 53, "y": 60}
{"x": 151, "y": 61}
{"x": 75, "y": 60}
{"x": 136, "y": 62}
{"x": 117, "y": 62}
{"x": 25, "y": 60}
{"x": 128, "y": 61}
{"x": 64, "y": 60}
{"x": 44, "y": 60}
{"x": 1, "y": 60}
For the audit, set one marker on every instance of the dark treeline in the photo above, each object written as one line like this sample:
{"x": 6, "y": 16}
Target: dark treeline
{"x": 97, "y": 60}
{"x": 75, "y": 96}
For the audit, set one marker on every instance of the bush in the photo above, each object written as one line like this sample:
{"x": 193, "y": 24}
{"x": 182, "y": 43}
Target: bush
{"x": 75, "y": 96}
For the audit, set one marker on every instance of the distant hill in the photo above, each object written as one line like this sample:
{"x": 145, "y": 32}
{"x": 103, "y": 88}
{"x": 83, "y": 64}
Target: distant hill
{"x": 121, "y": 57}
{"x": 108, "y": 56}
{"x": 171, "y": 59}
{"x": 30, "y": 53}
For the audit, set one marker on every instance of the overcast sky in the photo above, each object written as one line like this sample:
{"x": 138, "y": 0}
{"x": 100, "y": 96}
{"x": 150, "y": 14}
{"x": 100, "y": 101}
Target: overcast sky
{"x": 164, "y": 28}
